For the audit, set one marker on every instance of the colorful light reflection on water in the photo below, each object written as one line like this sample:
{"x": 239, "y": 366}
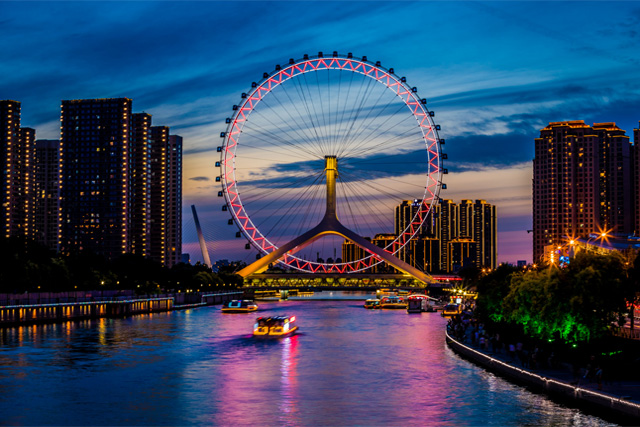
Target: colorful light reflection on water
{"x": 347, "y": 366}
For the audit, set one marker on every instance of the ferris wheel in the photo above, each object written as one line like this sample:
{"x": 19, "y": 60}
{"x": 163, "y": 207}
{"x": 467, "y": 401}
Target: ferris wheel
{"x": 338, "y": 110}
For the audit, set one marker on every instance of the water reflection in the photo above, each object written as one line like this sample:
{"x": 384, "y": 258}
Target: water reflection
{"x": 289, "y": 393}
{"x": 347, "y": 366}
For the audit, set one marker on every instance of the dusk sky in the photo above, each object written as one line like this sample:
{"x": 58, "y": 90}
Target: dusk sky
{"x": 495, "y": 73}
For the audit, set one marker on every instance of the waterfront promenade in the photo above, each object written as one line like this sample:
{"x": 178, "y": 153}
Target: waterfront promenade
{"x": 616, "y": 399}
{"x": 16, "y": 309}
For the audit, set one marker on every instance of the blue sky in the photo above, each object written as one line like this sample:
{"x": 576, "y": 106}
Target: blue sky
{"x": 494, "y": 72}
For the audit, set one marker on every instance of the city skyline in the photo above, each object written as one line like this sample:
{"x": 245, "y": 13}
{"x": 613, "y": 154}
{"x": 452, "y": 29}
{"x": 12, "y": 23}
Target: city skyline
{"x": 492, "y": 91}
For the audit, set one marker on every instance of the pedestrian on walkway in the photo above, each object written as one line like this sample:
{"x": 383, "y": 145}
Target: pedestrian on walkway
{"x": 599, "y": 377}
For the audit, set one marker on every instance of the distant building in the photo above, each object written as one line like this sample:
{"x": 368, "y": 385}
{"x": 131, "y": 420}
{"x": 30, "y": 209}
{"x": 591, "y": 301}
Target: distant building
{"x": 462, "y": 252}
{"x": 485, "y": 233}
{"x": 582, "y": 183}
{"x": 174, "y": 200}
{"x": 47, "y": 193}
{"x": 453, "y": 236}
{"x": 140, "y": 183}
{"x": 17, "y": 155}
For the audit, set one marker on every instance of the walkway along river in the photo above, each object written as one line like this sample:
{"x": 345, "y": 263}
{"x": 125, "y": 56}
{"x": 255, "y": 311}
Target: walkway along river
{"x": 348, "y": 366}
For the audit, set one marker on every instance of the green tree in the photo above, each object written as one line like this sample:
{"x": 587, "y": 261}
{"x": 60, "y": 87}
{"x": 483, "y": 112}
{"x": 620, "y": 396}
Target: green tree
{"x": 575, "y": 304}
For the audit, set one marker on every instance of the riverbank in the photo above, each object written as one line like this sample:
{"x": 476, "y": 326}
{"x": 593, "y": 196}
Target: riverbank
{"x": 56, "y": 308}
{"x": 619, "y": 401}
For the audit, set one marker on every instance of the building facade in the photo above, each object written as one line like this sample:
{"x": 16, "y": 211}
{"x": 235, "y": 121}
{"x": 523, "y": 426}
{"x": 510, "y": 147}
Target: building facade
{"x": 95, "y": 194}
{"x": 453, "y": 236}
{"x": 140, "y": 183}
{"x": 121, "y": 182}
{"x": 47, "y": 193}
{"x": 174, "y": 200}
{"x": 17, "y": 153}
{"x": 582, "y": 183}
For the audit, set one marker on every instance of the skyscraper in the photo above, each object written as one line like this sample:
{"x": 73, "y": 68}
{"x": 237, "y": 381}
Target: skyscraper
{"x": 140, "y": 183}
{"x": 47, "y": 193}
{"x": 174, "y": 200}
{"x": 17, "y": 157}
{"x": 581, "y": 182}
{"x": 95, "y": 136}
{"x": 448, "y": 230}
{"x": 159, "y": 138}
{"x": 485, "y": 233}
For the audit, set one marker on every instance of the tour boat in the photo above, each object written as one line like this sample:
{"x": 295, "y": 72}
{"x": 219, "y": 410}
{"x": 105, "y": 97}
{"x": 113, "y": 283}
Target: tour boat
{"x": 372, "y": 304}
{"x": 239, "y": 306}
{"x": 274, "y": 327}
{"x": 417, "y": 303}
{"x": 393, "y": 302}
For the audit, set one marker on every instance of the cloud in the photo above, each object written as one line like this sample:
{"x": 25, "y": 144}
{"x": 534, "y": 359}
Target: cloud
{"x": 200, "y": 178}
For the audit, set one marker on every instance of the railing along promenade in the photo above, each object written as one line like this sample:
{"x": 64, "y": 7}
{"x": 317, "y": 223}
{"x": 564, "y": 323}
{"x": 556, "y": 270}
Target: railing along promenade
{"x": 48, "y": 307}
{"x": 619, "y": 401}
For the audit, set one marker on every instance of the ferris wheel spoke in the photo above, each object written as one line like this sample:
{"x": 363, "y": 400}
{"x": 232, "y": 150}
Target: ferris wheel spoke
{"x": 279, "y": 222}
{"x": 366, "y": 122}
{"x": 275, "y": 193}
{"x": 356, "y": 112}
{"x": 268, "y": 220}
{"x": 298, "y": 130}
{"x": 367, "y": 138}
{"x": 324, "y": 126}
{"x": 258, "y": 131}
{"x": 389, "y": 191}
{"x": 315, "y": 123}
{"x": 341, "y": 121}
{"x": 374, "y": 207}
{"x": 391, "y": 141}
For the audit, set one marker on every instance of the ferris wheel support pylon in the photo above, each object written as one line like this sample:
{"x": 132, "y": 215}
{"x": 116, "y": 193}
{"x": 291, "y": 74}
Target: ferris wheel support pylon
{"x": 330, "y": 224}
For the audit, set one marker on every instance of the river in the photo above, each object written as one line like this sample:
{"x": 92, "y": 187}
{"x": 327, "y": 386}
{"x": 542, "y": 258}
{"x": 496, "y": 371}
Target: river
{"x": 347, "y": 366}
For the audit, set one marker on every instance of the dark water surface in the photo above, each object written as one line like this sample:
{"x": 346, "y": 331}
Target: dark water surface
{"x": 348, "y": 366}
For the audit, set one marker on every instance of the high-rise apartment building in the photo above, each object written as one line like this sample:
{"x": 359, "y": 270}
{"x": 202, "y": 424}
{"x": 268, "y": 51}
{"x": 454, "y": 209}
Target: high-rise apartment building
{"x": 485, "y": 233}
{"x": 95, "y": 137}
{"x": 140, "y": 183}
{"x": 452, "y": 237}
{"x": 448, "y": 230}
{"x": 174, "y": 201}
{"x": 47, "y": 193}
{"x": 17, "y": 157}
{"x": 159, "y": 146}
{"x": 121, "y": 182}
{"x": 582, "y": 182}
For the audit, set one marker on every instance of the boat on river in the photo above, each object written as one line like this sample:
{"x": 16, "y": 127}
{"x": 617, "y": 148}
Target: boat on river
{"x": 372, "y": 304}
{"x": 418, "y": 303}
{"x": 393, "y": 302}
{"x": 274, "y": 327}
{"x": 239, "y": 306}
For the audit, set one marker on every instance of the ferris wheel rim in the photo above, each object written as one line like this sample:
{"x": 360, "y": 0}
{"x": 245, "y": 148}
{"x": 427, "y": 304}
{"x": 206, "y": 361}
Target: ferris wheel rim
{"x": 295, "y": 68}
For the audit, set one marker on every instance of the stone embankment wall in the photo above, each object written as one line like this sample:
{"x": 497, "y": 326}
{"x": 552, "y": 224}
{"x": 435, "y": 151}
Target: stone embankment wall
{"x": 606, "y": 404}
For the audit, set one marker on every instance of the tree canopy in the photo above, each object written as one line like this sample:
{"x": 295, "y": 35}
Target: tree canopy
{"x": 575, "y": 304}
{"x": 31, "y": 267}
